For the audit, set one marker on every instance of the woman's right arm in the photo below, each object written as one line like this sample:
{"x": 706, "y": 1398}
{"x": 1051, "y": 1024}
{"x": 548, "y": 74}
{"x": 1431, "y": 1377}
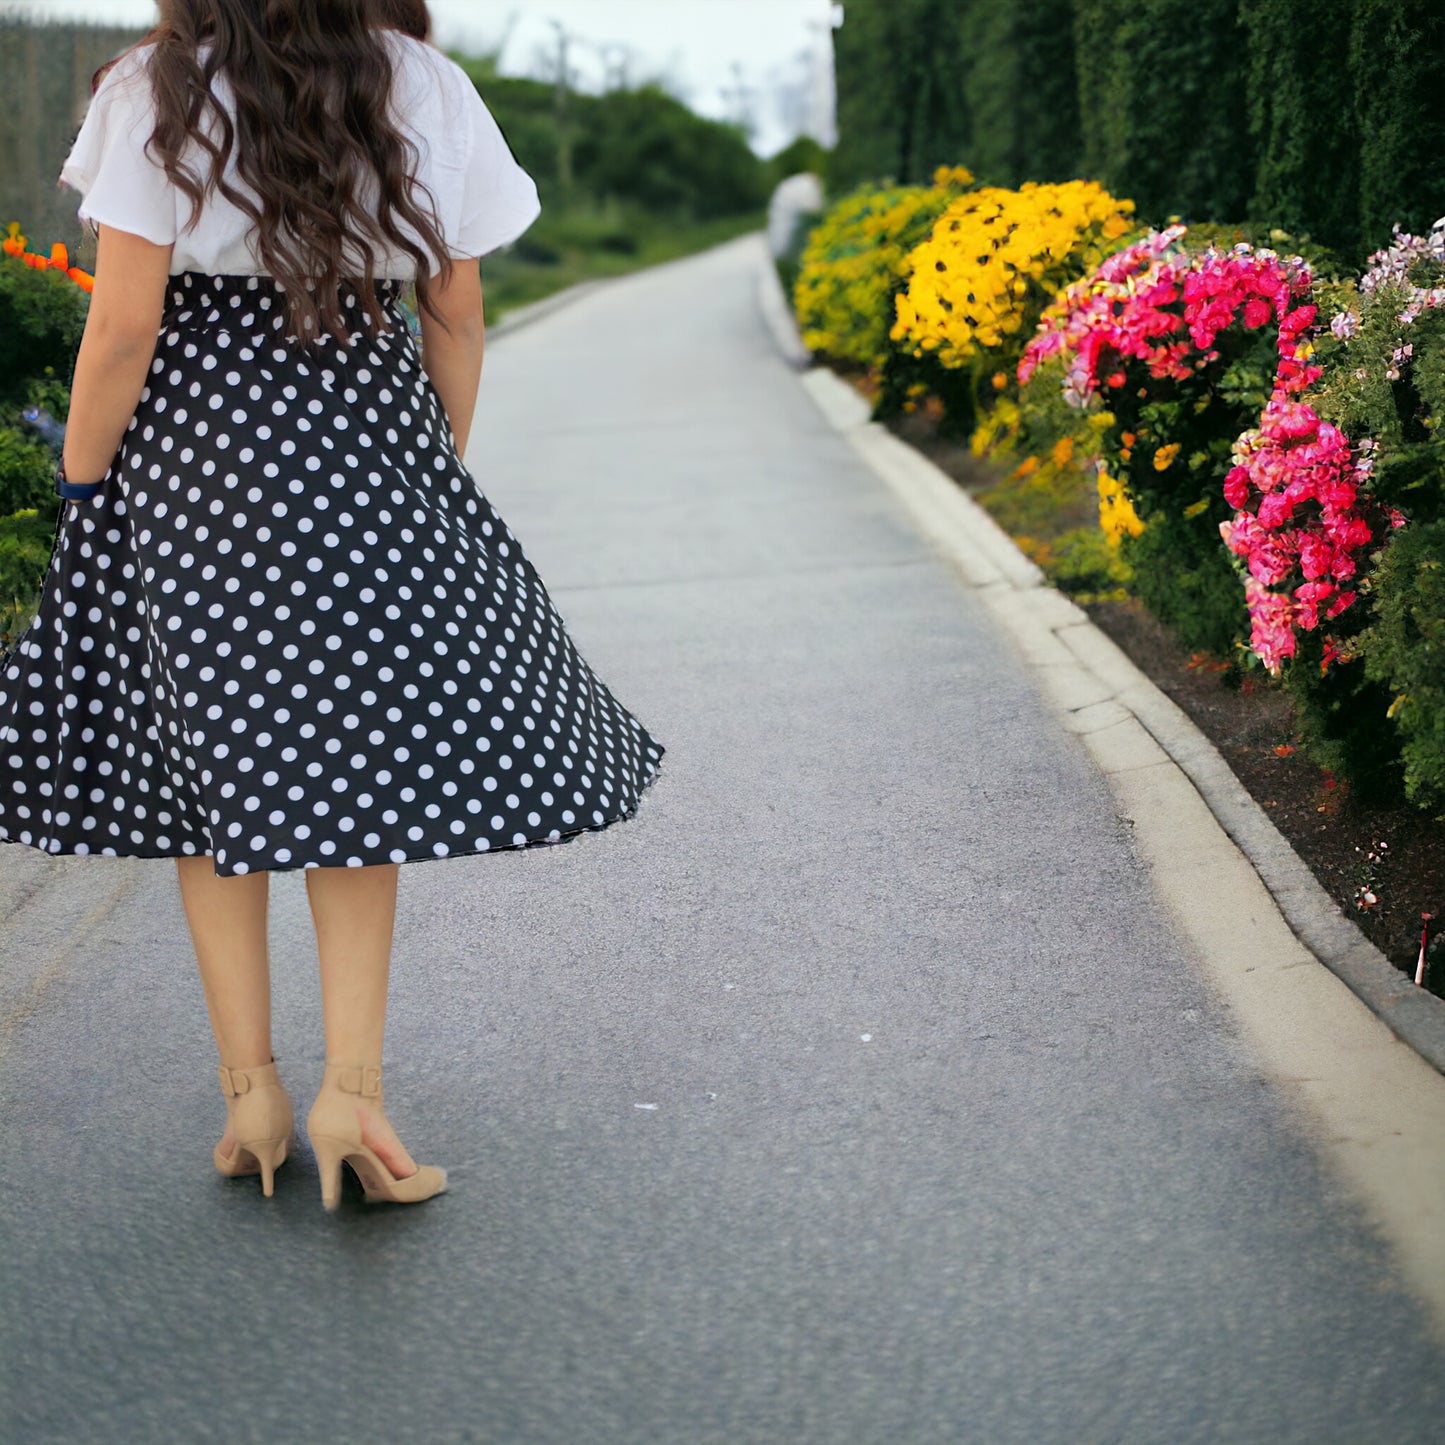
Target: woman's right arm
{"x": 454, "y": 362}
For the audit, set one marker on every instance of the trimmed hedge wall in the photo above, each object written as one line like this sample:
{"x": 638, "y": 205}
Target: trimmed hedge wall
{"x": 1326, "y": 119}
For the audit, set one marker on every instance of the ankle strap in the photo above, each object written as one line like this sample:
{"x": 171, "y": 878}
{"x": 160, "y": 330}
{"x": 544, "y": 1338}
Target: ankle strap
{"x": 364, "y": 1079}
{"x": 241, "y": 1081}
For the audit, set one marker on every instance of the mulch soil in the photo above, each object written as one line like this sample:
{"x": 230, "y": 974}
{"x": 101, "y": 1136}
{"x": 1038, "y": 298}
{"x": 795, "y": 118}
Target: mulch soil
{"x": 1383, "y": 862}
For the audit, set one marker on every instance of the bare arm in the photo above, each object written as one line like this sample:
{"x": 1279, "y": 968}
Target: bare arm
{"x": 115, "y": 349}
{"x": 454, "y": 362}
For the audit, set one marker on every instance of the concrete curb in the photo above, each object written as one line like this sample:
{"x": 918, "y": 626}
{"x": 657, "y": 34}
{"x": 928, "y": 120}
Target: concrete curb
{"x": 777, "y": 314}
{"x": 1099, "y": 685}
{"x": 521, "y": 316}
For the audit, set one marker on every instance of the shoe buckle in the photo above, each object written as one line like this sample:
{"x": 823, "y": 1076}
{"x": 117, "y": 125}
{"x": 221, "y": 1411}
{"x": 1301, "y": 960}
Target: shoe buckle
{"x": 233, "y": 1081}
{"x": 364, "y": 1079}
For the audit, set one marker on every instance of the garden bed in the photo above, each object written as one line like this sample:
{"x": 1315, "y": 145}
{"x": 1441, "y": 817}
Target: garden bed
{"x": 1383, "y": 864}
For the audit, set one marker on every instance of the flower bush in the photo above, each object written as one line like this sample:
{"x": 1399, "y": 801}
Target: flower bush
{"x": 1406, "y": 653}
{"x": 1180, "y": 420}
{"x": 1303, "y": 521}
{"x": 854, "y": 262}
{"x": 43, "y": 303}
{"x": 1173, "y": 344}
{"x": 993, "y": 260}
{"x": 25, "y": 544}
{"x": 1368, "y": 690}
{"x": 58, "y": 259}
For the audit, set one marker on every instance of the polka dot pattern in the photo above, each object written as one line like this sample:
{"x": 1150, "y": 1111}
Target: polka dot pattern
{"x": 290, "y": 631}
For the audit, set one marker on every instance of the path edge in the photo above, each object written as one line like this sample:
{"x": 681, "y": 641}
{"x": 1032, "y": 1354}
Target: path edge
{"x": 521, "y": 316}
{"x": 1105, "y": 675}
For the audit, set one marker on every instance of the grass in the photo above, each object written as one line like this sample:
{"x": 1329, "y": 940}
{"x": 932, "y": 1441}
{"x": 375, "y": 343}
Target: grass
{"x": 587, "y": 241}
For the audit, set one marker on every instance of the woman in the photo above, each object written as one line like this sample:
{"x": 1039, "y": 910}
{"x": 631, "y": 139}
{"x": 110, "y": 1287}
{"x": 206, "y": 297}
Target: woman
{"x": 282, "y": 627}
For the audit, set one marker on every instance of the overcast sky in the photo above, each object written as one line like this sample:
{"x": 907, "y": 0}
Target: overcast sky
{"x": 760, "y": 60}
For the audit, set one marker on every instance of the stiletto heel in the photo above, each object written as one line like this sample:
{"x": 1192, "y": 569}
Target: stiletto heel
{"x": 261, "y": 1124}
{"x": 329, "y": 1154}
{"x": 334, "y": 1128}
{"x": 269, "y": 1155}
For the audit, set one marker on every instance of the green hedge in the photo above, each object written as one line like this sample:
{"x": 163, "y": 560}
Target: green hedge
{"x": 42, "y": 314}
{"x": 1326, "y": 118}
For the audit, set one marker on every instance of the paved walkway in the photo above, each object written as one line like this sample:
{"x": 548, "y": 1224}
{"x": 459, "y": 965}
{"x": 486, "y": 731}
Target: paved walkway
{"x": 857, "y": 1090}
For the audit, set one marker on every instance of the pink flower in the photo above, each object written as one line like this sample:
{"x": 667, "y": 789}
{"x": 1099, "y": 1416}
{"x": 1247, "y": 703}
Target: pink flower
{"x": 1271, "y": 629}
{"x": 1236, "y": 487}
{"x": 1256, "y": 312}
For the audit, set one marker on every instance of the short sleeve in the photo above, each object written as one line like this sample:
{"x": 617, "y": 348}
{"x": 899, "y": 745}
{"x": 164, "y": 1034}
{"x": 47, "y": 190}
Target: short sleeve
{"x": 499, "y": 198}
{"x": 120, "y": 184}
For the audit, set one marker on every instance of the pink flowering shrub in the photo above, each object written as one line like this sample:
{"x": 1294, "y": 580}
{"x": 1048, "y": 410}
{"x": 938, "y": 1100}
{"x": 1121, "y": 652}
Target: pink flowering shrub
{"x": 1311, "y": 506}
{"x": 1304, "y": 520}
{"x": 1157, "y": 304}
{"x": 1152, "y": 335}
{"x": 1379, "y": 379}
{"x": 1179, "y": 348}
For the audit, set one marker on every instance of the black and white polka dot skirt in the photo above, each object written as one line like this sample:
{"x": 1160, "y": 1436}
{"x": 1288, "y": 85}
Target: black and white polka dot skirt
{"x": 290, "y": 631}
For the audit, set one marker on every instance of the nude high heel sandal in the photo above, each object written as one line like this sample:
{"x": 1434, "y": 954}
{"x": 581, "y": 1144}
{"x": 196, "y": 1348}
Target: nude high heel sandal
{"x": 334, "y": 1127}
{"x": 260, "y": 1116}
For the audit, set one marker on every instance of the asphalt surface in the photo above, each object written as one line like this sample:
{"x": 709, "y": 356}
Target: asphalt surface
{"x": 858, "y": 1089}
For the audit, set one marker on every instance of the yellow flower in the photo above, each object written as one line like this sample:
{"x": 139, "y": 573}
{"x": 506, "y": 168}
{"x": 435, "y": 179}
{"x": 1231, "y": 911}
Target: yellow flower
{"x": 1164, "y": 457}
{"x": 958, "y": 176}
{"x": 1116, "y": 512}
{"x": 968, "y": 283}
{"x": 853, "y": 263}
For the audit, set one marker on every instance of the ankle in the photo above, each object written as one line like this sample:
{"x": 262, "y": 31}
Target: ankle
{"x": 249, "y": 1059}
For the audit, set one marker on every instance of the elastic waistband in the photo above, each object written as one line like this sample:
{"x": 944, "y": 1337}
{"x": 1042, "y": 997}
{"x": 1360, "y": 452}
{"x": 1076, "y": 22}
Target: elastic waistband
{"x": 255, "y": 304}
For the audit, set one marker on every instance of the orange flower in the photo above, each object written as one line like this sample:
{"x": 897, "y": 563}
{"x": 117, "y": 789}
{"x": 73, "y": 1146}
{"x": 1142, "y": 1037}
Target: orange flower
{"x": 1063, "y": 452}
{"x": 57, "y": 260}
{"x": 1164, "y": 457}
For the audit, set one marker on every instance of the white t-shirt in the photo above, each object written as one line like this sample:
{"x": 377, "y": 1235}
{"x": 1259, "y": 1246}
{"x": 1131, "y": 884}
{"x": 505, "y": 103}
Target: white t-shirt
{"x": 484, "y": 199}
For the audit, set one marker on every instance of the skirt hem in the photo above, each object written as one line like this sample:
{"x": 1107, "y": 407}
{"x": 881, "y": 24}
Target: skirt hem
{"x": 544, "y": 840}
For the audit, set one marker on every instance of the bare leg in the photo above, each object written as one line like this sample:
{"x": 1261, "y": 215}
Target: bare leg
{"x": 354, "y": 910}
{"x": 227, "y": 917}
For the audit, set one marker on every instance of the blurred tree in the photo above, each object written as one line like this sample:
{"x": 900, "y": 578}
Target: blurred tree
{"x": 42, "y": 314}
{"x": 1301, "y": 117}
{"x": 45, "y": 72}
{"x": 1161, "y": 100}
{"x": 645, "y": 146}
{"x": 902, "y": 107}
{"x": 640, "y": 145}
{"x": 802, "y": 154}
{"x": 1022, "y": 91}
{"x": 1397, "y": 59}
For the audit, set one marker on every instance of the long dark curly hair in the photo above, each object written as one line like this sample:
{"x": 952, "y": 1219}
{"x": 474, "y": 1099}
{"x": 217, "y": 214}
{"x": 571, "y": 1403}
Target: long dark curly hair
{"x": 311, "y": 81}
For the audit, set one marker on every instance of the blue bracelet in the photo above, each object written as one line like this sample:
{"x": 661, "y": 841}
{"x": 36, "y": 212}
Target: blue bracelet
{"x": 77, "y": 491}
